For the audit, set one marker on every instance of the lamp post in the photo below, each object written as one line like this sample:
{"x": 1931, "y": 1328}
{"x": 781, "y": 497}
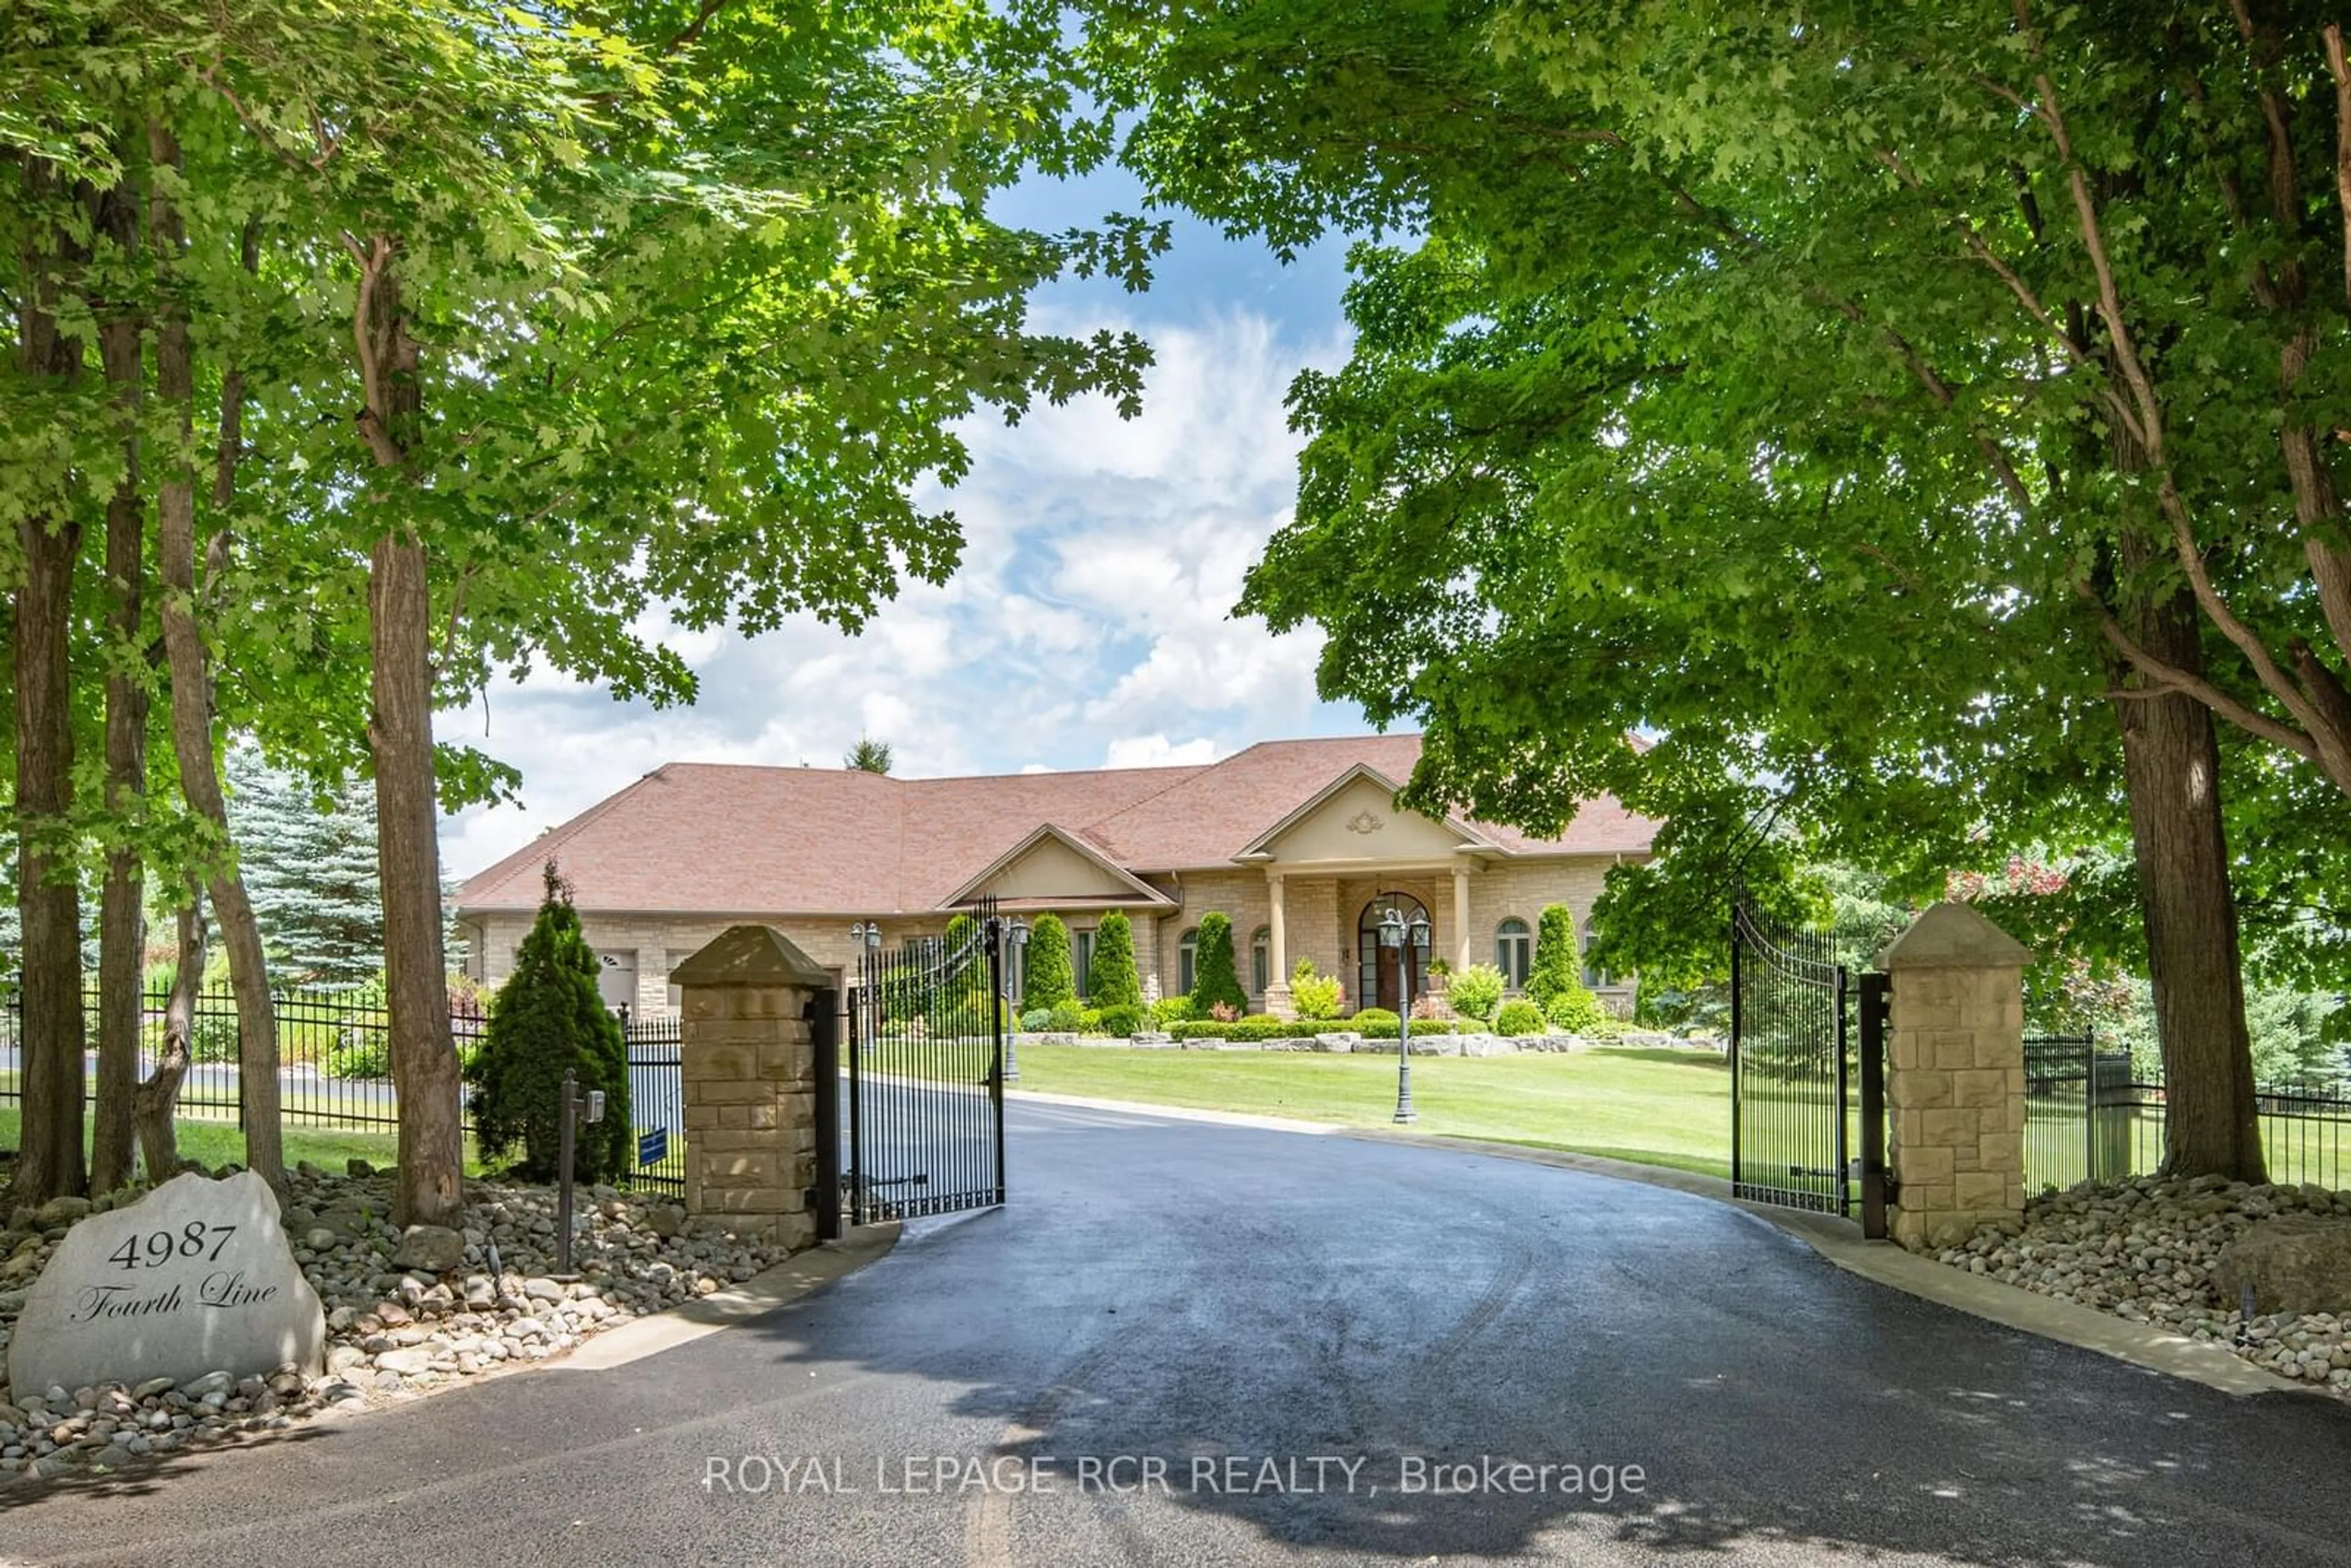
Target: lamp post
{"x": 1405, "y": 939}
{"x": 867, "y": 934}
{"x": 1011, "y": 938}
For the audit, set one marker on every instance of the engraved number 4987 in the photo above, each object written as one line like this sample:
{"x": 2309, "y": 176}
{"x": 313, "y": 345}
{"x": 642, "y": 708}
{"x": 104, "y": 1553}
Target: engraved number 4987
{"x": 157, "y": 1247}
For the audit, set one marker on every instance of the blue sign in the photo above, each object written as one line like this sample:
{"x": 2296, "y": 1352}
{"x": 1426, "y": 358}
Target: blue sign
{"x": 652, "y": 1147}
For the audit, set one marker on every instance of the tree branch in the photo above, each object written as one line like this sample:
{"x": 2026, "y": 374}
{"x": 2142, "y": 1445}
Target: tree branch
{"x": 2168, "y": 678}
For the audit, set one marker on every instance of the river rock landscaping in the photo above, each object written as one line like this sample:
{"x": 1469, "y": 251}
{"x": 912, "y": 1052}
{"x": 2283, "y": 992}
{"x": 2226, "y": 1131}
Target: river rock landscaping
{"x": 2158, "y": 1251}
{"x": 406, "y": 1311}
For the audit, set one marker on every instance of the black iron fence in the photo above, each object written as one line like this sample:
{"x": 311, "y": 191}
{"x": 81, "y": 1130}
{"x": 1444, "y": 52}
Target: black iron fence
{"x": 2088, "y": 1117}
{"x": 334, "y": 1053}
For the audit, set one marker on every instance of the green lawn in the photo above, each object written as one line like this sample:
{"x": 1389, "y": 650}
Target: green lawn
{"x": 1654, "y": 1107}
{"x": 218, "y": 1143}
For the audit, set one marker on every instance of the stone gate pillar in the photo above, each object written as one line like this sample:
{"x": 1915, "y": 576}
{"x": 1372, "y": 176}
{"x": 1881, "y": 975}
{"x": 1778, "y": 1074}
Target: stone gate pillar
{"x": 1955, "y": 1076}
{"x": 748, "y": 1066}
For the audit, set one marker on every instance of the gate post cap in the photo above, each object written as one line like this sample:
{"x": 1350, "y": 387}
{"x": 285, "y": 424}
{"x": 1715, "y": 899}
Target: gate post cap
{"x": 1954, "y": 936}
{"x": 751, "y": 956}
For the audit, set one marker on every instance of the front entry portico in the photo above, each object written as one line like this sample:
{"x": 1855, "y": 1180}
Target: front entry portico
{"x": 1391, "y": 978}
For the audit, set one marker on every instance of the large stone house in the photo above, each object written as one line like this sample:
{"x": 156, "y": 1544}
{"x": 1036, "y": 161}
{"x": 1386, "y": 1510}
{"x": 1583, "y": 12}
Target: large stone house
{"x": 1298, "y": 843}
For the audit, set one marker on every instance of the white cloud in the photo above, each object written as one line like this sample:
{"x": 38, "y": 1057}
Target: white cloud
{"x": 1089, "y": 619}
{"x": 1158, "y": 751}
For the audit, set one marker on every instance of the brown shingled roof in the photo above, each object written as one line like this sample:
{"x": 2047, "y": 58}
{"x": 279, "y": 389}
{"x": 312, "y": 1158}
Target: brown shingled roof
{"x": 699, "y": 837}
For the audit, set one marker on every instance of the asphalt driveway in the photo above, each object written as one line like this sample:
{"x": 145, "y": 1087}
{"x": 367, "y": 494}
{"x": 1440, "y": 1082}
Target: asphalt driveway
{"x": 1190, "y": 1344}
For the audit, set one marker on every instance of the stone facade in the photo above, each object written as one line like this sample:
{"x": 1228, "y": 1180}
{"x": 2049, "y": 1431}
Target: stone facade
{"x": 1955, "y": 1078}
{"x": 1320, "y": 913}
{"x": 748, "y": 1065}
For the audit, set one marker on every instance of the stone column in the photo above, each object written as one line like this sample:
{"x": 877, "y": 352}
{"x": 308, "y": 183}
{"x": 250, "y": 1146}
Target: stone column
{"x": 1461, "y": 958}
{"x": 749, "y": 1071}
{"x": 1954, "y": 1077}
{"x": 1277, "y": 988}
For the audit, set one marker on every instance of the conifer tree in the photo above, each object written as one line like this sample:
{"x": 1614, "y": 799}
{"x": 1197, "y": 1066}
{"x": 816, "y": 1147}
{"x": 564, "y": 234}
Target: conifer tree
{"x": 1050, "y": 980}
{"x": 1555, "y": 978}
{"x": 546, "y": 1020}
{"x": 309, "y": 866}
{"x": 1214, "y": 979}
{"x": 1111, "y": 980}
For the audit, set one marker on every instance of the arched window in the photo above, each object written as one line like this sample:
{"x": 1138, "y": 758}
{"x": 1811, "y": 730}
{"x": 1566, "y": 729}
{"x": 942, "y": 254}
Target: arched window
{"x": 1187, "y": 960}
{"x": 1513, "y": 952}
{"x": 1261, "y": 958}
{"x": 1391, "y": 977}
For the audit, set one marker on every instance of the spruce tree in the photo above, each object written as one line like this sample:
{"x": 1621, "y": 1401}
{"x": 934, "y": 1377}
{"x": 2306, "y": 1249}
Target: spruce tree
{"x": 546, "y": 1020}
{"x": 1214, "y": 979}
{"x": 310, "y": 862}
{"x": 1112, "y": 981}
{"x": 1050, "y": 980}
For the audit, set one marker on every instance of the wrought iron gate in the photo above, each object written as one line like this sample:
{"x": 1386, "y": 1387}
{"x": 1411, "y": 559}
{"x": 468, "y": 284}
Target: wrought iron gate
{"x": 1789, "y": 1016}
{"x": 925, "y": 1049}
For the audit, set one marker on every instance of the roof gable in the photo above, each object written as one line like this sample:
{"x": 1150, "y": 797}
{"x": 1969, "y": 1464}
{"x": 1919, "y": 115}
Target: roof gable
{"x": 1052, "y": 869}
{"x": 1355, "y": 818}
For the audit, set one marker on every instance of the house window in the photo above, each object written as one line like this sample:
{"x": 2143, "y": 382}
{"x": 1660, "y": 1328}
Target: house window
{"x": 1593, "y": 977}
{"x": 1261, "y": 957}
{"x": 1081, "y": 952}
{"x": 1513, "y": 953}
{"x": 1187, "y": 960}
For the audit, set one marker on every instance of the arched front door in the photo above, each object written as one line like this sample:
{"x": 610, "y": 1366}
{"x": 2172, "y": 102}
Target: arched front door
{"x": 1390, "y": 977}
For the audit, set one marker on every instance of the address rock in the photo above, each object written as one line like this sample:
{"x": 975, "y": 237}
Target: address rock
{"x": 192, "y": 1279}
{"x": 2296, "y": 1263}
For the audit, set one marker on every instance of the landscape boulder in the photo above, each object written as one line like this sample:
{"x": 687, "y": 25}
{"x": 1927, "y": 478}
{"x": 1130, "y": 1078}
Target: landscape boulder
{"x": 195, "y": 1278}
{"x": 2296, "y": 1263}
{"x": 433, "y": 1249}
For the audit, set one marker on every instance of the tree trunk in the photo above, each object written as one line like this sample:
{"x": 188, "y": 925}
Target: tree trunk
{"x": 49, "y": 903}
{"x": 2172, "y": 769}
{"x": 192, "y": 724}
{"x": 158, "y": 1099}
{"x": 121, "y": 915}
{"x": 424, "y": 1068}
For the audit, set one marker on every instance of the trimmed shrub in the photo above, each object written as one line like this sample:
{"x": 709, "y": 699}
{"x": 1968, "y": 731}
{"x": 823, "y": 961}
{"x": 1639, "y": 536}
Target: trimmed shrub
{"x": 214, "y": 1037}
{"x": 1370, "y": 1017}
{"x": 1169, "y": 1010}
{"x": 1201, "y": 1029}
{"x": 1476, "y": 992}
{"x": 546, "y": 1020}
{"x": 1420, "y": 1026}
{"x": 359, "y": 1054}
{"x": 1557, "y": 971}
{"x": 1519, "y": 1016}
{"x": 1111, "y": 979}
{"x": 1214, "y": 979}
{"x": 1123, "y": 1020}
{"x": 1049, "y": 980}
{"x": 1576, "y": 1012}
{"x": 1035, "y": 1020}
{"x": 963, "y": 1000}
{"x": 1065, "y": 1017}
{"x": 1315, "y": 996}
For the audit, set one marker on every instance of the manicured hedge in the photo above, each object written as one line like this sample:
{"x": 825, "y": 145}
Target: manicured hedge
{"x": 1258, "y": 1028}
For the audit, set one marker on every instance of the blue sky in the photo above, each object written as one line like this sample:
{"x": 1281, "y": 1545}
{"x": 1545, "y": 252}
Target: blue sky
{"x": 1089, "y": 624}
